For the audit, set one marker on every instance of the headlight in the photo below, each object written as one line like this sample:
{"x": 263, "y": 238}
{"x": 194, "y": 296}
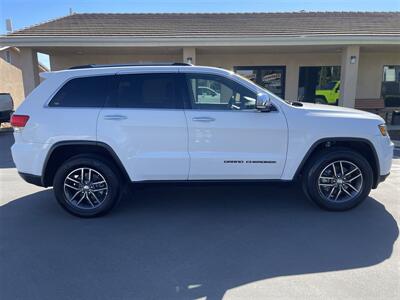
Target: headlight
{"x": 383, "y": 129}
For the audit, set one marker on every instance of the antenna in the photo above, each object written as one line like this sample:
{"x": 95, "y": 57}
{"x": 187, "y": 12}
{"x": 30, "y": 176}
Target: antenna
{"x": 8, "y": 25}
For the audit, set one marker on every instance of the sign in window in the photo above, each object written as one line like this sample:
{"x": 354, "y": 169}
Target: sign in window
{"x": 271, "y": 78}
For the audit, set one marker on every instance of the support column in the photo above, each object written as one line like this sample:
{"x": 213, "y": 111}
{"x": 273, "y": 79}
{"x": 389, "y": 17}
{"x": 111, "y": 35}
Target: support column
{"x": 349, "y": 75}
{"x": 189, "y": 55}
{"x": 292, "y": 81}
{"x": 30, "y": 70}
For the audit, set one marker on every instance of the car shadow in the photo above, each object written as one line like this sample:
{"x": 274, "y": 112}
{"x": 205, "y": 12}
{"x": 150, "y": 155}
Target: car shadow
{"x": 6, "y": 141}
{"x": 183, "y": 242}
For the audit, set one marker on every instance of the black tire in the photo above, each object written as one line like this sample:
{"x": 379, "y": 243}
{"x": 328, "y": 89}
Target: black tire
{"x": 319, "y": 192}
{"x": 320, "y": 100}
{"x": 92, "y": 205}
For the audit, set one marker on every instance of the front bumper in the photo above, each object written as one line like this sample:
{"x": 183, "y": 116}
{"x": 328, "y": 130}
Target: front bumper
{"x": 384, "y": 150}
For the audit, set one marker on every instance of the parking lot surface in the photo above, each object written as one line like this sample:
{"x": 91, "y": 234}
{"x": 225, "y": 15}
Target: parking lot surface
{"x": 230, "y": 241}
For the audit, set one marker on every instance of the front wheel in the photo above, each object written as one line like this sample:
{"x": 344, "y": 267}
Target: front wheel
{"x": 338, "y": 179}
{"x": 86, "y": 186}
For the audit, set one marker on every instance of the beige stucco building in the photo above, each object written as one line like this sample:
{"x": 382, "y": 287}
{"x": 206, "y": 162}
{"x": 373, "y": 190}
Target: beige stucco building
{"x": 11, "y": 74}
{"x": 293, "y": 54}
{"x": 11, "y": 69}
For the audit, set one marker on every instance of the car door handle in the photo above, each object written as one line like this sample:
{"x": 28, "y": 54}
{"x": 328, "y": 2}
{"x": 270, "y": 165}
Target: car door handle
{"x": 115, "y": 117}
{"x": 203, "y": 119}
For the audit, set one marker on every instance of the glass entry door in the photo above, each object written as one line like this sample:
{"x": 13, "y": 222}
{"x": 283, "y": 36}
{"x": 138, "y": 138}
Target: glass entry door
{"x": 319, "y": 84}
{"x": 270, "y": 77}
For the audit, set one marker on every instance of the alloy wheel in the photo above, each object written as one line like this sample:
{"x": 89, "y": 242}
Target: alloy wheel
{"x": 85, "y": 188}
{"x": 340, "y": 181}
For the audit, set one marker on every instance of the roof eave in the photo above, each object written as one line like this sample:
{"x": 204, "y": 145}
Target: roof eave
{"x": 172, "y": 41}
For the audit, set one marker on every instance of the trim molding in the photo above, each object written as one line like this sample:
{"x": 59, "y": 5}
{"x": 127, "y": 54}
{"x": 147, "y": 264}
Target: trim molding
{"x": 376, "y": 171}
{"x": 176, "y": 41}
{"x": 82, "y": 143}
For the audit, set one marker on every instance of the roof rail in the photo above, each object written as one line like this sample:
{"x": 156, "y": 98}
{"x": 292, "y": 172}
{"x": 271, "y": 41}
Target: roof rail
{"x": 90, "y": 66}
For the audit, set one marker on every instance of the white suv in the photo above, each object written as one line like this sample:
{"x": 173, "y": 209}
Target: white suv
{"x": 89, "y": 130}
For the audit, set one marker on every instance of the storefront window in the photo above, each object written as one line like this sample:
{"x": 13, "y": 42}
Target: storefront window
{"x": 319, "y": 84}
{"x": 391, "y": 86}
{"x": 271, "y": 78}
{"x": 250, "y": 74}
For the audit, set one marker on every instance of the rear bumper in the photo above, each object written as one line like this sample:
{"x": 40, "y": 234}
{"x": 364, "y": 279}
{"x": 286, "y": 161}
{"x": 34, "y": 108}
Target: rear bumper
{"x": 32, "y": 179}
{"x": 28, "y": 157}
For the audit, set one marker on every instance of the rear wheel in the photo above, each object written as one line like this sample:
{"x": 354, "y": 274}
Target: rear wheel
{"x": 86, "y": 186}
{"x": 338, "y": 179}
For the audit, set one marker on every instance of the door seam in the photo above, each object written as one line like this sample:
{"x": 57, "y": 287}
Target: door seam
{"x": 187, "y": 144}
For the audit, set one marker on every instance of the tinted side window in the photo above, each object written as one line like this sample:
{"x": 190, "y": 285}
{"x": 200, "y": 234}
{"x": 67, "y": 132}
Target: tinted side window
{"x": 161, "y": 90}
{"x": 216, "y": 92}
{"x": 83, "y": 92}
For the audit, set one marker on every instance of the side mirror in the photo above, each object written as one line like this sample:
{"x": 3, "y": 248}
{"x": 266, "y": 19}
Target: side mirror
{"x": 263, "y": 102}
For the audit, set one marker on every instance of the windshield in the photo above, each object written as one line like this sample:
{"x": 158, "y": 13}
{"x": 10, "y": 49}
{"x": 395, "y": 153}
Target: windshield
{"x": 259, "y": 87}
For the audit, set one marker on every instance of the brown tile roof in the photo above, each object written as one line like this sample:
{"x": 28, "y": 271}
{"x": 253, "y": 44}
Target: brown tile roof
{"x": 218, "y": 24}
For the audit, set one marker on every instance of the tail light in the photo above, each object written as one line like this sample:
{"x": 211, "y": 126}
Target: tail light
{"x": 19, "y": 120}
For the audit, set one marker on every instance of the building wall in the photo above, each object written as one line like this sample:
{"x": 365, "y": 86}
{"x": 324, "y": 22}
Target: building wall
{"x": 64, "y": 61}
{"x": 14, "y": 55}
{"x": 370, "y": 73}
{"x": 11, "y": 81}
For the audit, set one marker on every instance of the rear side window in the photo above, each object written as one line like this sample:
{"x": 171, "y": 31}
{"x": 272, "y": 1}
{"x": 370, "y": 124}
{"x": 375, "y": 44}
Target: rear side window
{"x": 163, "y": 90}
{"x": 83, "y": 92}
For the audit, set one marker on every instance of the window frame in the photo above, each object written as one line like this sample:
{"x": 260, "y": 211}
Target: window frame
{"x": 227, "y": 81}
